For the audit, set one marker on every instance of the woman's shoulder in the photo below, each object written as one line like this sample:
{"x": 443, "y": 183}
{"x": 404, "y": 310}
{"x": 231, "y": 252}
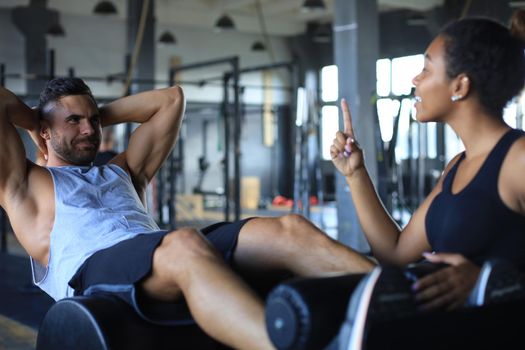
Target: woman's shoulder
{"x": 516, "y": 153}
{"x": 511, "y": 184}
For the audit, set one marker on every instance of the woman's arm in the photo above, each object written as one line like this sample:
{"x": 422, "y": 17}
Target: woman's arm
{"x": 389, "y": 243}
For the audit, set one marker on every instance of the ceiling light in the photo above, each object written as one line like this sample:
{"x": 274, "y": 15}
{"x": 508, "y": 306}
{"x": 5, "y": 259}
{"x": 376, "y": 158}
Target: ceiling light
{"x": 224, "y": 23}
{"x": 313, "y": 5}
{"x": 167, "y": 38}
{"x": 56, "y": 30}
{"x": 322, "y": 34}
{"x": 516, "y": 4}
{"x": 416, "y": 19}
{"x": 258, "y": 46}
{"x": 105, "y": 8}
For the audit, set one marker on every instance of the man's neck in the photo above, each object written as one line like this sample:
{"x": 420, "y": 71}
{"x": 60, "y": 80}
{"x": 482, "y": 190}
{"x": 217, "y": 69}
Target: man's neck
{"x": 57, "y": 162}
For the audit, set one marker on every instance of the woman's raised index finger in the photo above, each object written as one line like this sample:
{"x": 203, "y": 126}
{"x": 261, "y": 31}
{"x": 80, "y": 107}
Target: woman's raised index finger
{"x": 347, "y": 118}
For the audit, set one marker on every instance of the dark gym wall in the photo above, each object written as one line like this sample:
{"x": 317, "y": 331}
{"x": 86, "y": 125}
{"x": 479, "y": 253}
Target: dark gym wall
{"x": 12, "y": 48}
{"x": 145, "y": 67}
{"x": 398, "y": 38}
{"x": 33, "y": 21}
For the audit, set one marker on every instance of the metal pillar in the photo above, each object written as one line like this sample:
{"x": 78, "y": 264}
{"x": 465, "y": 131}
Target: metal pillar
{"x": 226, "y": 145}
{"x": 356, "y": 49}
{"x": 285, "y": 146}
{"x": 236, "y": 141}
{"x": 51, "y": 64}
{"x": 144, "y": 68}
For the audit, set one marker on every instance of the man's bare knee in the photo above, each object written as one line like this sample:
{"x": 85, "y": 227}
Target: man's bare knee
{"x": 292, "y": 221}
{"x": 296, "y": 226}
{"x": 181, "y": 247}
{"x": 172, "y": 262}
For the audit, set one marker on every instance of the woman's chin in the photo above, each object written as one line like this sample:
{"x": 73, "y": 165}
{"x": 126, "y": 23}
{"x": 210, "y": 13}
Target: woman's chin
{"x": 420, "y": 117}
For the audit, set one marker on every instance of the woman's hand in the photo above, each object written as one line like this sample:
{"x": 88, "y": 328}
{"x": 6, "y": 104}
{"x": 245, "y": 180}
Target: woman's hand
{"x": 448, "y": 288}
{"x": 346, "y": 154}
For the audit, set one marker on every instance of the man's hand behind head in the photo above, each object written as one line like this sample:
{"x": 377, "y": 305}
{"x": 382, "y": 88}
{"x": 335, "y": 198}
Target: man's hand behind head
{"x": 41, "y": 153}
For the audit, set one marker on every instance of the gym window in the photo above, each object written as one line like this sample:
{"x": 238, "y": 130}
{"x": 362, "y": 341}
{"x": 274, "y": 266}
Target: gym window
{"x": 329, "y": 84}
{"x": 329, "y": 111}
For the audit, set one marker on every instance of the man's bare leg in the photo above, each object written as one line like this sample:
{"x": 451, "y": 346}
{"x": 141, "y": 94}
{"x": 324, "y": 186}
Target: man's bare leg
{"x": 294, "y": 244}
{"x": 220, "y": 302}
{"x": 186, "y": 263}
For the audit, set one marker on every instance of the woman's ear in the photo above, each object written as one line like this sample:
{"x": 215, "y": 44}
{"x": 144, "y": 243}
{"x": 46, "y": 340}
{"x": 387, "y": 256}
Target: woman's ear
{"x": 460, "y": 87}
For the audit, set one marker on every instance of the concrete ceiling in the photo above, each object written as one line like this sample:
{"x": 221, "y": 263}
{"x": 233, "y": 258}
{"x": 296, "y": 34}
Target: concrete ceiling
{"x": 281, "y": 17}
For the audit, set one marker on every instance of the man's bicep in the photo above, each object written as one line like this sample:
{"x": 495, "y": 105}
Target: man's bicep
{"x": 150, "y": 144}
{"x": 148, "y": 150}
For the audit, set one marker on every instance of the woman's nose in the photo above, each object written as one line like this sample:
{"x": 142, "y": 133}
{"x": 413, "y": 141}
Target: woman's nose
{"x": 415, "y": 80}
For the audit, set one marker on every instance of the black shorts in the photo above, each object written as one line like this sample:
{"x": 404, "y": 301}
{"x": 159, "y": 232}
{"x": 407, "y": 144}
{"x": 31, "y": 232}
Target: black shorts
{"x": 117, "y": 270}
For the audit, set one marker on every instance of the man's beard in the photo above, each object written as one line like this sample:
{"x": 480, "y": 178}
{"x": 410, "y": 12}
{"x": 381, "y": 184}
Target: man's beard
{"x": 70, "y": 154}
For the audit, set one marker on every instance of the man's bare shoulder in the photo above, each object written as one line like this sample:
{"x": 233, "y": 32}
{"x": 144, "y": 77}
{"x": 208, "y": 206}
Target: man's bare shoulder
{"x": 35, "y": 183}
{"x": 39, "y": 177}
{"x": 32, "y": 195}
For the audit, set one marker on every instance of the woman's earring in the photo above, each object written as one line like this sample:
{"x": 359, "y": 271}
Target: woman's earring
{"x": 454, "y": 98}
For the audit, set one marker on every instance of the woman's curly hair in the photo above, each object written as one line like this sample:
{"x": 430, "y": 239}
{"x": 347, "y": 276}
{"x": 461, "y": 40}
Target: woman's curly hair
{"x": 490, "y": 56}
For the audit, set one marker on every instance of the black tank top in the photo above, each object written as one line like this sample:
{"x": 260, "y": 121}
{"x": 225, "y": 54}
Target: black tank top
{"x": 475, "y": 222}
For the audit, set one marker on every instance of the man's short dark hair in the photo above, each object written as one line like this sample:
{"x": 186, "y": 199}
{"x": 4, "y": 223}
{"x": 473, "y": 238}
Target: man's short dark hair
{"x": 60, "y": 87}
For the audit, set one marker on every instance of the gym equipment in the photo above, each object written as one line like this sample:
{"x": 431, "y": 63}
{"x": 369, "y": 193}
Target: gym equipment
{"x": 179, "y": 158}
{"x": 404, "y": 183}
{"x": 498, "y": 281}
{"x": 104, "y": 322}
{"x": 232, "y": 137}
{"x": 307, "y": 168}
{"x": 306, "y": 313}
{"x": 204, "y": 164}
{"x": 382, "y": 295}
{"x": 415, "y": 271}
{"x": 488, "y": 327}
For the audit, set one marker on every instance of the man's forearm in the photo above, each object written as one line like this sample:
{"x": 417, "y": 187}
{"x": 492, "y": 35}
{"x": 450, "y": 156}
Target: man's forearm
{"x": 139, "y": 108}
{"x": 17, "y": 111}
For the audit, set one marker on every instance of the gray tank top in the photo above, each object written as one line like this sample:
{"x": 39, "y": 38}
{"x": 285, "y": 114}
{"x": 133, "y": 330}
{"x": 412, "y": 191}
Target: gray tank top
{"x": 95, "y": 208}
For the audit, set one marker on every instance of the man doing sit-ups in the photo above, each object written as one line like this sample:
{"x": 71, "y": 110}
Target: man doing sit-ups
{"x": 87, "y": 230}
